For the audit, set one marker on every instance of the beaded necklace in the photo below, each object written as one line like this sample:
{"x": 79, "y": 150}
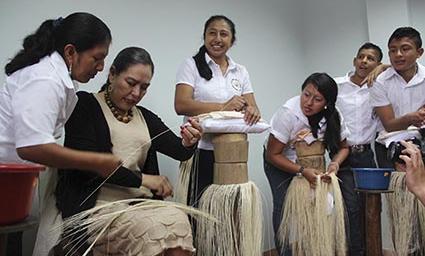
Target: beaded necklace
{"x": 126, "y": 118}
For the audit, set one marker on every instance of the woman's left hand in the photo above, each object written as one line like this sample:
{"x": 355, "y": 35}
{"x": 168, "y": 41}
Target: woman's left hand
{"x": 191, "y": 133}
{"x": 252, "y": 115}
{"x": 333, "y": 167}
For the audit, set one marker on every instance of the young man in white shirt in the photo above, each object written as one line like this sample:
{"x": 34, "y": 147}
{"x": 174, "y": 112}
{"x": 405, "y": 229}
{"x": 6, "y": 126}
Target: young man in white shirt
{"x": 398, "y": 93}
{"x": 353, "y": 104}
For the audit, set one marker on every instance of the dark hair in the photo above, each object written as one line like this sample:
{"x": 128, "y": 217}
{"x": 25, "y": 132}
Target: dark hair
{"x": 329, "y": 89}
{"x": 128, "y": 57}
{"x": 408, "y": 32}
{"x": 369, "y": 45}
{"x": 201, "y": 64}
{"x": 83, "y": 30}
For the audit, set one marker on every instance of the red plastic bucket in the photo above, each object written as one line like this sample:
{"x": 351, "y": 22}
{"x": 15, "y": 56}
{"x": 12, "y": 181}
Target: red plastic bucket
{"x": 17, "y": 183}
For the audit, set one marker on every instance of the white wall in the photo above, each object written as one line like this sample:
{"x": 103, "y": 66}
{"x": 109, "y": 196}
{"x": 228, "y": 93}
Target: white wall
{"x": 279, "y": 41}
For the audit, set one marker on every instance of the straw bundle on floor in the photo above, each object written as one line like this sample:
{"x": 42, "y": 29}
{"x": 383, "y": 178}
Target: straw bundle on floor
{"x": 406, "y": 217}
{"x": 313, "y": 219}
{"x": 239, "y": 230}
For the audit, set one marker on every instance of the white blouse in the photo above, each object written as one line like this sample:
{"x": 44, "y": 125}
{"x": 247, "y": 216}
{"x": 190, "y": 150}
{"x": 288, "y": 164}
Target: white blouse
{"x": 220, "y": 88}
{"x": 289, "y": 120}
{"x": 35, "y": 103}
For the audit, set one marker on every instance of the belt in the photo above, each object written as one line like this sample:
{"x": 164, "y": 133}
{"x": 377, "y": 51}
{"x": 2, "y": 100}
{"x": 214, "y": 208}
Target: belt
{"x": 359, "y": 148}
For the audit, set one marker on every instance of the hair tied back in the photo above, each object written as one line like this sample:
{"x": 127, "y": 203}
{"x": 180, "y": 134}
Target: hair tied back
{"x": 57, "y": 22}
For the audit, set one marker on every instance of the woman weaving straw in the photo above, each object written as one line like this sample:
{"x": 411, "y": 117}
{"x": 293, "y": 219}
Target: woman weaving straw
{"x": 110, "y": 121}
{"x": 312, "y": 118}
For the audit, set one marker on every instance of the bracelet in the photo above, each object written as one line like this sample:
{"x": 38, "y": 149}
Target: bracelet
{"x": 300, "y": 171}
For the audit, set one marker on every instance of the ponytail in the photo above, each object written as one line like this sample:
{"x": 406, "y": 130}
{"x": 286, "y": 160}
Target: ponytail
{"x": 83, "y": 30}
{"x": 35, "y": 47}
{"x": 202, "y": 65}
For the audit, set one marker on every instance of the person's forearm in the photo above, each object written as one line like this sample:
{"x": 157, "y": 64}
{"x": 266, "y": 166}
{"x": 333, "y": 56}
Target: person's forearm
{"x": 282, "y": 163}
{"x": 341, "y": 155}
{"x": 420, "y": 194}
{"x": 54, "y": 155}
{"x": 190, "y": 107}
{"x": 397, "y": 124}
{"x": 250, "y": 100}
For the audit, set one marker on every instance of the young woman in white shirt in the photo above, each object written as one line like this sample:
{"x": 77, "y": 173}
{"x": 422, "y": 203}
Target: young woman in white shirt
{"x": 40, "y": 92}
{"x": 314, "y": 110}
{"x": 212, "y": 81}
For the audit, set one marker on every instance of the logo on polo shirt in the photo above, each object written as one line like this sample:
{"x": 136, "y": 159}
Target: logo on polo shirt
{"x": 236, "y": 84}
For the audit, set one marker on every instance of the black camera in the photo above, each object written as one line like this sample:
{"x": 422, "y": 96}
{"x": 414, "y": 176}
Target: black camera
{"x": 395, "y": 148}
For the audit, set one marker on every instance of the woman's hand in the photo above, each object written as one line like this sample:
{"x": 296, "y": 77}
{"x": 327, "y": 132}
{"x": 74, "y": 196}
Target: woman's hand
{"x": 252, "y": 115}
{"x": 333, "y": 167}
{"x": 312, "y": 175}
{"x": 236, "y": 103}
{"x": 191, "y": 133}
{"x": 158, "y": 184}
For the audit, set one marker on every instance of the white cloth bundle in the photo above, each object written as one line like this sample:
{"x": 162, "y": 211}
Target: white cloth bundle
{"x": 230, "y": 122}
{"x": 386, "y": 138}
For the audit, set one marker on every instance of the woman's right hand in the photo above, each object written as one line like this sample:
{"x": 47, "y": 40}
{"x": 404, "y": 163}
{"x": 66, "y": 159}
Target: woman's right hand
{"x": 236, "y": 103}
{"x": 312, "y": 175}
{"x": 159, "y": 184}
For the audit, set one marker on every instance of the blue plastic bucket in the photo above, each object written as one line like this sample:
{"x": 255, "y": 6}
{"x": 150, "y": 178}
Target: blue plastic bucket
{"x": 372, "y": 178}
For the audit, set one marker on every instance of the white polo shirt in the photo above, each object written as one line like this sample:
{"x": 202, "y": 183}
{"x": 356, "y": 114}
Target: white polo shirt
{"x": 354, "y": 105}
{"x": 289, "y": 120}
{"x": 219, "y": 89}
{"x": 35, "y": 103}
{"x": 391, "y": 89}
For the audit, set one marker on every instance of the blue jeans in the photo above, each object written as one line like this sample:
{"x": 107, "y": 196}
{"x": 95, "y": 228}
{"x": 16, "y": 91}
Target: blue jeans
{"x": 279, "y": 182}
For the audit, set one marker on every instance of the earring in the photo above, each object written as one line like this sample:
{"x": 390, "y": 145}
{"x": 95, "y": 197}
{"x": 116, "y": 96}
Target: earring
{"x": 326, "y": 107}
{"x": 70, "y": 70}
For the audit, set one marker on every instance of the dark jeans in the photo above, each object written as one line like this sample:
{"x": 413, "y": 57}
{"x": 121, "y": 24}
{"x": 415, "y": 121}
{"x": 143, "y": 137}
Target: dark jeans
{"x": 352, "y": 199}
{"x": 279, "y": 182}
{"x": 381, "y": 156}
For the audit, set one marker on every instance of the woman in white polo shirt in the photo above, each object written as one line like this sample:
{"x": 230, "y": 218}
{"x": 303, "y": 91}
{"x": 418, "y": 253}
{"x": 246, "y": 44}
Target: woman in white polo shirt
{"x": 40, "y": 92}
{"x": 314, "y": 110}
{"x": 212, "y": 81}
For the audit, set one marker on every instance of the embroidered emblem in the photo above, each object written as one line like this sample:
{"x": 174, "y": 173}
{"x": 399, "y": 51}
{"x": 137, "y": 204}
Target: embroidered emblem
{"x": 236, "y": 85}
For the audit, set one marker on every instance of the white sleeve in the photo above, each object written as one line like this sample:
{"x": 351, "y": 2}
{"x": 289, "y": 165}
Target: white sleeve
{"x": 246, "y": 82}
{"x": 345, "y": 132}
{"x": 36, "y": 107}
{"x": 378, "y": 95}
{"x": 186, "y": 73}
{"x": 282, "y": 124}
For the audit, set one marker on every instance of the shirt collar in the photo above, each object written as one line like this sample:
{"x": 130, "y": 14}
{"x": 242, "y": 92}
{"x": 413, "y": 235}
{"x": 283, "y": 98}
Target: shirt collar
{"x": 60, "y": 66}
{"x": 418, "y": 78}
{"x": 209, "y": 60}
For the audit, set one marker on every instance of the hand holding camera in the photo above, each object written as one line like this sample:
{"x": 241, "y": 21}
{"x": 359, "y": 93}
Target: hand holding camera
{"x": 415, "y": 170}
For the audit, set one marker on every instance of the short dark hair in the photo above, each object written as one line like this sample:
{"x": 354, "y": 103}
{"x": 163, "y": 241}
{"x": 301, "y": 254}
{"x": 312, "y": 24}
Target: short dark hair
{"x": 408, "y": 32}
{"x": 128, "y": 57}
{"x": 83, "y": 30}
{"x": 369, "y": 45}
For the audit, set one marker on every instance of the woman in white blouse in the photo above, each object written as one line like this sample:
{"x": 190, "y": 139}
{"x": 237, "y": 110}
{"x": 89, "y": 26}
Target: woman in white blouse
{"x": 314, "y": 110}
{"x": 212, "y": 81}
{"x": 40, "y": 92}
